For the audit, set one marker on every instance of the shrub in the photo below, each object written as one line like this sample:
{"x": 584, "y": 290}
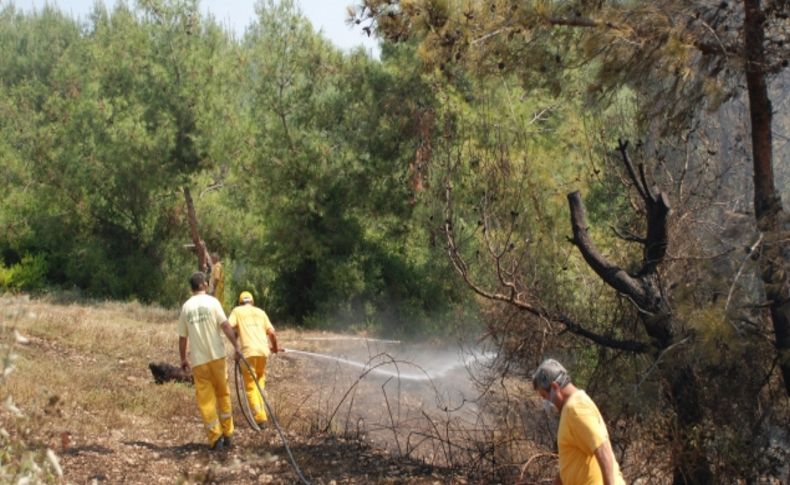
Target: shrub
{"x": 29, "y": 274}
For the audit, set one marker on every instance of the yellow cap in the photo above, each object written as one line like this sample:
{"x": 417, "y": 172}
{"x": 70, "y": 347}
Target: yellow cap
{"x": 245, "y": 297}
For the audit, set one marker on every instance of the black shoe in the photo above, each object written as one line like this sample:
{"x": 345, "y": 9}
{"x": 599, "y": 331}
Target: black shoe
{"x": 226, "y": 441}
{"x": 218, "y": 445}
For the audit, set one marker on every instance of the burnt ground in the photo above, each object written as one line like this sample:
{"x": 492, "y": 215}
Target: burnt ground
{"x": 112, "y": 442}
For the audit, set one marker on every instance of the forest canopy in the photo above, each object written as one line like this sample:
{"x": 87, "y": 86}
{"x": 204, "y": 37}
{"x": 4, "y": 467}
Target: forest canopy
{"x": 300, "y": 178}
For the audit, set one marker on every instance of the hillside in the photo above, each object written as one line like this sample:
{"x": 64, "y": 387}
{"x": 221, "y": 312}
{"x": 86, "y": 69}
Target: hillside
{"x": 82, "y": 388}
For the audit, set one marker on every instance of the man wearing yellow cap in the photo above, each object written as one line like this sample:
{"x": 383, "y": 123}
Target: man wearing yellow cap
{"x": 258, "y": 340}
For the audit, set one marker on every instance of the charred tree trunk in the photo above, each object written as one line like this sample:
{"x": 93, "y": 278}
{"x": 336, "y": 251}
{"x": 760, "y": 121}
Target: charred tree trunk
{"x": 690, "y": 463}
{"x": 771, "y": 218}
{"x": 204, "y": 260}
{"x": 644, "y": 289}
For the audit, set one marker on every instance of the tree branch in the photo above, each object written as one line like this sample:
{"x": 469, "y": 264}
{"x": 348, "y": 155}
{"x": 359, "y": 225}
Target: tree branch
{"x": 622, "y": 147}
{"x": 628, "y": 345}
{"x": 657, "y": 232}
{"x": 611, "y": 274}
{"x": 514, "y": 297}
{"x": 657, "y": 208}
{"x": 628, "y": 236}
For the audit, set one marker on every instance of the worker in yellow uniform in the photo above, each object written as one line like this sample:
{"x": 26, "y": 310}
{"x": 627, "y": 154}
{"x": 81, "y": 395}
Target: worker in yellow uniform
{"x": 216, "y": 284}
{"x": 200, "y": 325}
{"x": 258, "y": 340}
{"x": 586, "y": 456}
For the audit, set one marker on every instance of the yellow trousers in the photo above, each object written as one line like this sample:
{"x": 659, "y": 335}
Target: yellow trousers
{"x": 213, "y": 398}
{"x": 257, "y": 407}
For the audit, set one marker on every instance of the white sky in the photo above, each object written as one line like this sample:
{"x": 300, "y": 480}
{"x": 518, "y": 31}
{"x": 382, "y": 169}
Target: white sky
{"x": 326, "y": 15}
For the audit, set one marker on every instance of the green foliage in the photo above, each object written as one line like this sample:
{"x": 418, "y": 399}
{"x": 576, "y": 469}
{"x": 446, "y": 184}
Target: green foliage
{"x": 297, "y": 155}
{"x": 28, "y": 275}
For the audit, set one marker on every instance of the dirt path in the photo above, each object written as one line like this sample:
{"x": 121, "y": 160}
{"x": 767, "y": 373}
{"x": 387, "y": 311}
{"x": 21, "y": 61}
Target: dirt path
{"x": 100, "y": 411}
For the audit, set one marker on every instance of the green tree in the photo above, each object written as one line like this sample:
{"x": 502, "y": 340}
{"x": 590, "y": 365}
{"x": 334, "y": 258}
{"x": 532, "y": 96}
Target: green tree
{"x": 120, "y": 117}
{"x": 328, "y": 183}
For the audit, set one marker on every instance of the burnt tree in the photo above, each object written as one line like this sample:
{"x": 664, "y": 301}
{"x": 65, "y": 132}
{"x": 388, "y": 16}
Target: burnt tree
{"x": 204, "y": 259}
{"x": 681, "y": 57}
{"x": 772, "y": 220}
{"x": 646, "y": 291}
{"x": 643, "y": 288}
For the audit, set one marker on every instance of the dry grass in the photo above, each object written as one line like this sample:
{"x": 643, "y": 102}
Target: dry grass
{"x": 87, "y": 365}
{"x": 82, "y": 384}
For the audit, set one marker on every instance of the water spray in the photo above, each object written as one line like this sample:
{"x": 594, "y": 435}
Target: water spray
{"x": 387, "y": 360}
{"x": 365, "y": 339}
{"x": 268, "y": 410}
{"x": 368, "y": 368}
{"x": 373, "y": 369}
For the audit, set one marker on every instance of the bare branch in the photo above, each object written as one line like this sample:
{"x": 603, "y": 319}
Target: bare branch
{"x": 611, "y": 274}
{"x": 515, "y": 298}
{"x": 622, "y": 147}
{"x": 628, "y": 345}
{"x": 645, "y": 186}
{"x": 752, "y": 249}
{"x": 628, "y": 236}
{"x": 657, "y": 232}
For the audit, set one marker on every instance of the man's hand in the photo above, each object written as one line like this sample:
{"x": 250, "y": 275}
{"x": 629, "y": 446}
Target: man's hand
{"x": 185, "y": 365}
{"x": 237, "y": 355}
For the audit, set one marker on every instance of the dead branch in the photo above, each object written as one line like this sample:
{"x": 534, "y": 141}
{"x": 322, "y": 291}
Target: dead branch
{"x": 366, "y": 372}
{"x": 204, "y": 259}
{"x": 552, "y": 456}
{"x": 610, "y": 273}
{"x": 628, "y": 236}
{"x": 752, "y": 249}
{"x": 393, "y": 426}
{"x": 516, "y": 298}
{"x": 622, "y": 147}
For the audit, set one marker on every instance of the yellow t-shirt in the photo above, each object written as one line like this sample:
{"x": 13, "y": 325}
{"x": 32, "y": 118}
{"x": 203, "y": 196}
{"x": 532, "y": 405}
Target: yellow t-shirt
{"x": 581, "y": 432}
{"x": 200, "y": 320}
{"x": 251, "y": 324}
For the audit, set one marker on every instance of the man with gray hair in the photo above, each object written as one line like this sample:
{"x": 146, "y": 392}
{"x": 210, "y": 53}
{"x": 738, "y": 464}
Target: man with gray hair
{"x": 582, "y": 434}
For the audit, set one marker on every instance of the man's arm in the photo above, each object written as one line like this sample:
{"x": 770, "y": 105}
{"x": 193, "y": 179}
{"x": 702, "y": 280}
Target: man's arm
{"x": 228, "y": 331}
{"x": 605, "y": 457}
{"x": 182, "y": 350}
{"x": 273, "y": 339}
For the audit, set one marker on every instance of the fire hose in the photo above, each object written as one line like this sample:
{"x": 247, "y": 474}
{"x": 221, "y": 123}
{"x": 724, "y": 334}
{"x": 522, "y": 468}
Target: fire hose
{"x": 242, "y": 397}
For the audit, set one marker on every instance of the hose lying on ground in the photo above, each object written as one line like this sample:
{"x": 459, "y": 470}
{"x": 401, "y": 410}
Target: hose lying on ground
{"x": 269, "y": 411}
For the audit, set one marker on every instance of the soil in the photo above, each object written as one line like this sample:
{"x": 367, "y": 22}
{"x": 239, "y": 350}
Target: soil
{"x": 171, "y": 449}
